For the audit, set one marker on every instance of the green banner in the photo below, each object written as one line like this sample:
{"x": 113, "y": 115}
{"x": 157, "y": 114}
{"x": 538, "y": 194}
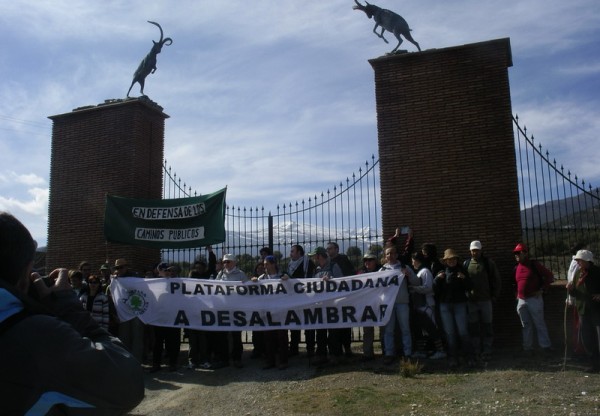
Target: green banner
{"x": 166, "y": 223}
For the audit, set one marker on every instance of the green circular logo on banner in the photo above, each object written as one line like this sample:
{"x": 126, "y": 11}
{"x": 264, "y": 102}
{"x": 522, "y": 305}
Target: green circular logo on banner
{"x": 136, "y": 301}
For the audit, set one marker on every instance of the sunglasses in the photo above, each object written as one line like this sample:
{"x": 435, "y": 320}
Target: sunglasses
{"x": 226, "y": 261}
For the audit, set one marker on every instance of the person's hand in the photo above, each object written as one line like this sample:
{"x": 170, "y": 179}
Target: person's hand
{"x": 34, "y": 276}
{"x": 254, "y": 279}
{"x": 61, "y": 282}
{"x": 326, "y": 277}
{"x": 596, "y": 297}
{"x": 209, "y": 248}
{"x": 441, "y": 275}
{"x": 285, "y": 276}
{"x": 460, "y": 275}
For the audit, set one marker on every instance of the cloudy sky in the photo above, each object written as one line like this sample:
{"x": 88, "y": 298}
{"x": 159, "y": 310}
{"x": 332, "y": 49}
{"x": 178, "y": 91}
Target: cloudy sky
{"x": 273, "y": 98}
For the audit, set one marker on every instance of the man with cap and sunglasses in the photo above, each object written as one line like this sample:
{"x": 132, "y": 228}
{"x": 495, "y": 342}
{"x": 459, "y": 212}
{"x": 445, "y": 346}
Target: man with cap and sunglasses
{"x": 131, "y": 332}
{"x": 370, "y": 265}
{"x": 531, "y": 279}
{"x": 326, "y": 343}
{"x": 486, "y": 281}
{"x": 105, "y": 275}
{"x": 165, "y": 338}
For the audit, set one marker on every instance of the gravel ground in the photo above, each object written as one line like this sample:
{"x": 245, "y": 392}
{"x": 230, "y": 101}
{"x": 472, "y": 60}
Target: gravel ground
{"x": 509, "y": 384}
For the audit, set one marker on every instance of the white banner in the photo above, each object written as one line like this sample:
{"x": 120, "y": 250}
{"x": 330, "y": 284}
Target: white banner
{"x": 361, "y": 300}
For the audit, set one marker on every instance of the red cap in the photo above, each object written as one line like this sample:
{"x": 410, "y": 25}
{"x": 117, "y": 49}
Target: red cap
{"x": 520, "y": 247}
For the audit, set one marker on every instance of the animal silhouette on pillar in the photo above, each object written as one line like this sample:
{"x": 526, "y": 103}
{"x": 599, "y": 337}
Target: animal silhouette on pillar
{"x": 148, "y": 64}
{"x": 388, "y": 20}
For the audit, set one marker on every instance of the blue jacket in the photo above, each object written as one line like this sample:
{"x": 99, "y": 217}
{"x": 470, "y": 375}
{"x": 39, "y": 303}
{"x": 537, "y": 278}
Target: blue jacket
{"x": 62, "y": 363}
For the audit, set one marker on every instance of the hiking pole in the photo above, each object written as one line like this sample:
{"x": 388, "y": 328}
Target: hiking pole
{"x": 566, "y": 336}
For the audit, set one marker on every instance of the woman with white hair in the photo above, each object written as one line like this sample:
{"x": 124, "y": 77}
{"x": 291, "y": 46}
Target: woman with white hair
{"x": 585, "y": 289}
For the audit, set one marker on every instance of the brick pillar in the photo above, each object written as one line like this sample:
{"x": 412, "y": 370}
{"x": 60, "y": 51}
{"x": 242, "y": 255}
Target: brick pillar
{"x": 112, "y": 148}
{"x": 447, "y": 156}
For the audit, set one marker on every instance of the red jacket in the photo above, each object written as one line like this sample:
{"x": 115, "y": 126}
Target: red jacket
{"x": 532, "y": 278}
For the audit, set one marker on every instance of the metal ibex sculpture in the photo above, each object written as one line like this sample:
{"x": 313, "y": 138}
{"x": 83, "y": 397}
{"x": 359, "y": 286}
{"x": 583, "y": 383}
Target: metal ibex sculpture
{"x": 389, "y": 21}
{"x": 148, "y": 64}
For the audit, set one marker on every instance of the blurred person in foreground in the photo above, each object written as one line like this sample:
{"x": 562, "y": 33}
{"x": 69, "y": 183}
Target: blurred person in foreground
{"x": 55, "y": 358}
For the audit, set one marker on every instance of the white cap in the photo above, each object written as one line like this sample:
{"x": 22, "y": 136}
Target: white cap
{"x": 584, "y": 255}
{"x": 475, "y": 245}
{"x": 229, "y": 257}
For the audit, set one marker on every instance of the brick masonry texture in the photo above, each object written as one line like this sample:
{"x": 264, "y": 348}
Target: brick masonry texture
{"x": 447, "y": 159}
{"x": 114, "y": 148}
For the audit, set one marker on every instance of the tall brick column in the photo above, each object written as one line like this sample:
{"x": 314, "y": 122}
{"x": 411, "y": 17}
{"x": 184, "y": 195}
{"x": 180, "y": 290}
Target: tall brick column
{"x": 447, "y": 157}
{"x": 112, "y": 148}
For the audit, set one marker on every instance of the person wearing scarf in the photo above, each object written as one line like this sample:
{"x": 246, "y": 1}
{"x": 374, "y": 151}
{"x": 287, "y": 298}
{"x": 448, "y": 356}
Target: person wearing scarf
{"x": 276, "y": 340}
{"x": 585, "y": 289}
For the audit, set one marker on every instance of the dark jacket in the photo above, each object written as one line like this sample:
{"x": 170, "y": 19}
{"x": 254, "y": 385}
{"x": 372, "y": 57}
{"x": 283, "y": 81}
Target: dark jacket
{"x": 62, "y": 363}
{"x": 452, "y": 289}
{"x": 345, "y": 264}
{"x": 300, "y": 273}
{"x": 583, "y": 292}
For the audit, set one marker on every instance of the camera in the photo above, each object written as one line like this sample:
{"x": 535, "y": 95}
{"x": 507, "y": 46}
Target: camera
{"x": 33, "y": 292}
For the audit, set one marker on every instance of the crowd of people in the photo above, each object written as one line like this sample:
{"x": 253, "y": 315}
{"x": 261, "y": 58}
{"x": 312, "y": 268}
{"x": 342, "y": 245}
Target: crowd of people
{"x": 443, "y": 309}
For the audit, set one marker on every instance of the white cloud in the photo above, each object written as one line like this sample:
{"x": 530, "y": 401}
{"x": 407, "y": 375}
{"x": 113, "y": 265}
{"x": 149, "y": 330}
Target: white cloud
{"x": 587, "y": 68}
{"x": 274, "y": 99}
{"x": 28, "y": 179}
{"x": 569, "y": 132}
{"x": 37, "y": 204}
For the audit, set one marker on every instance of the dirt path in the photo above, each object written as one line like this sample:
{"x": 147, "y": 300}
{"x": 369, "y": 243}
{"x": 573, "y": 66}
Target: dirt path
{"x": 510, "y": 384}
{"x": 227, "y": 391}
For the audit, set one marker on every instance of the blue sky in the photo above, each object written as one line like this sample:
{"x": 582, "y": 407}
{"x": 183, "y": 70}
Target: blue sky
{"x": 273, "y": 98}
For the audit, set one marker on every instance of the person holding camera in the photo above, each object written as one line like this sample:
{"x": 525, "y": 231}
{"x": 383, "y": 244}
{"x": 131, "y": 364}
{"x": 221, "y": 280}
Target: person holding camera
{"x": 54, "y": 356}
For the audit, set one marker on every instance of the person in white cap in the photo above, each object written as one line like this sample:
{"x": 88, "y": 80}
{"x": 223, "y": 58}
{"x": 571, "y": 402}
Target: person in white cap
{"x": 486, "y": 281}
{"x": 585, "y": 289}
{"x": 231, "y": 273}
{"x": 577, "y": 344}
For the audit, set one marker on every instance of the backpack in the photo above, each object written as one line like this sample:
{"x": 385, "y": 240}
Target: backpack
{"x": 488, "y": 270}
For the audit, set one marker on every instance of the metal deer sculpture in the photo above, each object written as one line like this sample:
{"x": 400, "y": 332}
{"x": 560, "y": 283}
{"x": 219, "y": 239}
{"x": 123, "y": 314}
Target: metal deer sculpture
{"x": 389, "y": 21}
{"x": 148, "y": 64}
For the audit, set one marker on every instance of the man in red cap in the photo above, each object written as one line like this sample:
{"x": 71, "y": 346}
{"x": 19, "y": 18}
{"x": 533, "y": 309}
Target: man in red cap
{"x": 532, "y": 278}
